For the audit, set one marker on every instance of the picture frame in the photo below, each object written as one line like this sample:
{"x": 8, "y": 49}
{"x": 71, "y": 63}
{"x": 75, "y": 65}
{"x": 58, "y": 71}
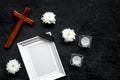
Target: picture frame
{"x": 41, "y": 59}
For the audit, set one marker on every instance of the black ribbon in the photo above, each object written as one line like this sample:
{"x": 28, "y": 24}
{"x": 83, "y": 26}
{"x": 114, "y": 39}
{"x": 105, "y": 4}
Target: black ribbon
{"x": 46, "y": 36}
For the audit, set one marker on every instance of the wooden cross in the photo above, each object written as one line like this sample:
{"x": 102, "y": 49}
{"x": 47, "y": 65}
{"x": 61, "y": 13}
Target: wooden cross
{"x": 23, "y": 18}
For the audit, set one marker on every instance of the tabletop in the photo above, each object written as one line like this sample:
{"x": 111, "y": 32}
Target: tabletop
{"x": 98, "y": 18}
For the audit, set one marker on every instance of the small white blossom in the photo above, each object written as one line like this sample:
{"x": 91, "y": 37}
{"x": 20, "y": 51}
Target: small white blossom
{"x": 13, "y": 66}
{"x": 49, "y": 18}
{"x": 68, "y": 35}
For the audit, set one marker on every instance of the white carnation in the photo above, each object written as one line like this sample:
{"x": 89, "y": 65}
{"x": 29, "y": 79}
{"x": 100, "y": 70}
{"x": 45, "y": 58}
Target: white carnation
{"x": 49, "y": 18}
{"x": 68, "y": 35}
{"x": 13, "y": 66}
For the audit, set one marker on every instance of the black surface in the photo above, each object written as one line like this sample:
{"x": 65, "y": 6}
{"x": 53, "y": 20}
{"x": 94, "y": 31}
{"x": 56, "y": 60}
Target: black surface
{"x": 98, "y": 18}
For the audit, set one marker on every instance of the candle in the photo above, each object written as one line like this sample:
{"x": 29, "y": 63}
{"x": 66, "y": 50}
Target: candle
{"x": 76, "y": 60}
{"x": 85, "y": 41}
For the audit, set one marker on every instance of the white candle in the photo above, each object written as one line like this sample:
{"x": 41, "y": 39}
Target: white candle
{"x": 85, "y": 41}
{"x": 76, "y": 60}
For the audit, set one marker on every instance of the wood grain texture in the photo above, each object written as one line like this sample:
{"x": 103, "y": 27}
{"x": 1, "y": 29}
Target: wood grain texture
{"x": 22, "y": 18}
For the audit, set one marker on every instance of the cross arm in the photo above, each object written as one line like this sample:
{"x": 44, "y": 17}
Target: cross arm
{"x": 24, "y": 18}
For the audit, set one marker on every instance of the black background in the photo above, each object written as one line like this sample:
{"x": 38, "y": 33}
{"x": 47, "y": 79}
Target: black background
{"x": 98, "y": 18}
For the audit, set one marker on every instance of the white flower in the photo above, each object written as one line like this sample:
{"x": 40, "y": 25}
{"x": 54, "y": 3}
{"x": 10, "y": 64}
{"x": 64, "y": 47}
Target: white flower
{"x": 13, "y": 66}
{"x": 68, "y": 35}
{"x": 49, "y": 18}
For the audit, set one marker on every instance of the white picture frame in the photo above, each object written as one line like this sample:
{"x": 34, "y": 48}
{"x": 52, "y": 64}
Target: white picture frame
{"x": 41, "y": 59}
